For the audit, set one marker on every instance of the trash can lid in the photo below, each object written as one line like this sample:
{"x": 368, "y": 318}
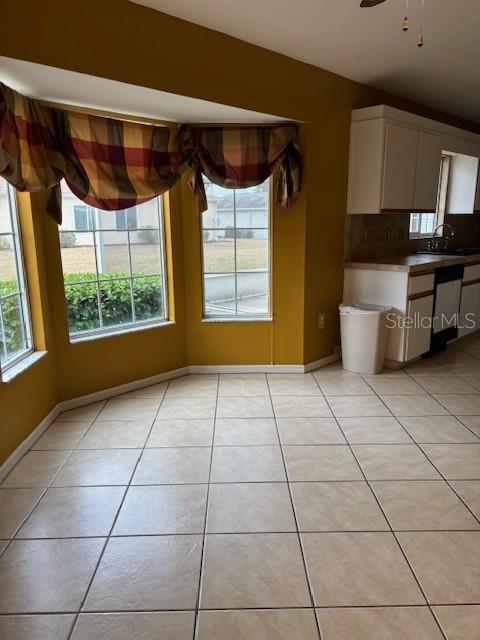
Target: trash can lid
{"x": 361, "y": 309}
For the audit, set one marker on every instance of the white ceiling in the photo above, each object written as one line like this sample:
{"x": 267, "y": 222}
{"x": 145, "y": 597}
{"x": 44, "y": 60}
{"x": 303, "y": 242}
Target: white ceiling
{"x": 367, "y": 45}
{"x": 69, "y": 87}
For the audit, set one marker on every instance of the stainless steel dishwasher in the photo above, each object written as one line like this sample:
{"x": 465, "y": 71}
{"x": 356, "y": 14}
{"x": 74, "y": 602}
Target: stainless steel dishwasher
{"x": 446, "y": 305}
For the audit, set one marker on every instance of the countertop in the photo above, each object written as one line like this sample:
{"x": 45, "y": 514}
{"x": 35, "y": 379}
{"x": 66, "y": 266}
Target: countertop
{"x": 412, "y": 263}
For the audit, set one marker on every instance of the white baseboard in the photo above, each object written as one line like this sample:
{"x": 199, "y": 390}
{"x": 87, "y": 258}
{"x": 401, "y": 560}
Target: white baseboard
{"x": 104, "y": 394}
{"x": 318, "y": 364}
{"x": 28, "y": 443}
{"x": 247, "y": 368}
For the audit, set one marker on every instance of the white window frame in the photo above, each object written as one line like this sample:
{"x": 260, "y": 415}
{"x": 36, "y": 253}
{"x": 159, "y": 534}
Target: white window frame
{"x": 22, "y": 284}
{"x": 126, "y": 327}
{"x": 239, "y": 317}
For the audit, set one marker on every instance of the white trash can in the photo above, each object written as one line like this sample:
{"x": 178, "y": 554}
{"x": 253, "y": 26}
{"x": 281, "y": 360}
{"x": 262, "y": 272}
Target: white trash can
{"x": 363, "y": 336}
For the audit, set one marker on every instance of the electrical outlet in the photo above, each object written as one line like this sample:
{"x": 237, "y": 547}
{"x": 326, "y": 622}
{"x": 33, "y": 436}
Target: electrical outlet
{"x": 321, "y": 321}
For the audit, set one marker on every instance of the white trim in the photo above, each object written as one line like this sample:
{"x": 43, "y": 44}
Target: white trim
{"x": 247, "y": 368}
{"x": 27, "y": 361}
{"x": 28, "y": 443}
{"x": 318, "y": 364}
{"x": 104, "y": 394}
{"x": 78, "y": 338}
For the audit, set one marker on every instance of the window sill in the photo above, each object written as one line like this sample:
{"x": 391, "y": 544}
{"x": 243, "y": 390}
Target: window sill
{"x": 119, "y": 332}
{"x": 238, "y": 319}
{"x": 25, "y": 363}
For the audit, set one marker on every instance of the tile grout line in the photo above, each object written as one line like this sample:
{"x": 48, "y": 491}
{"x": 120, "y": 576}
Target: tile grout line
{"x": 292, "y": 504}
{"x": 250, "y": 608}
{"x": 45, "y": 489}
{"x": 448, "y": 482}
{"x": 254, "y": 533}
{"x": 204, "y": 537}
{"x": 450, "y": 413}
{"x": 389, "y": 524}
{"x": 108, "y": 537}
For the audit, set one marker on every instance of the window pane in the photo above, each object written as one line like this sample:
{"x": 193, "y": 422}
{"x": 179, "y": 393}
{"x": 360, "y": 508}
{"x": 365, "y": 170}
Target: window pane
{"x": 145, "y": 252}
{"x": 112, "y": 254}
{"x": 132, "y": 221}
{"x": 81, "y": 217}
{"x": 220, "y": 212}
{"x": 107, "y": 219}
{"x": 8, "y": 269}
{"x": 218, "y": 251}
{"x": 252, "y": 249}
{"x": 82, "y": 307}
{"x": 251, "y": 206}
{"x": 220, "y": 294}
{"x": 414, "y": 222}
{"x": 116, "y": 302}
{"x": 13, "y": 326}
{"x": 78, "y": 256}
{"x": 15, "y": 333}
{"x": 6, "y": 223}
{"x": 148, "y": 297}
{"x": 252, "y": 292}
{"x": 147, "y": 214}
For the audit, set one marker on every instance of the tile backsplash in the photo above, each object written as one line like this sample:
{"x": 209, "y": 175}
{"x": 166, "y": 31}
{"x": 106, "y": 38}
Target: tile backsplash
{"x": 386, "y": 235}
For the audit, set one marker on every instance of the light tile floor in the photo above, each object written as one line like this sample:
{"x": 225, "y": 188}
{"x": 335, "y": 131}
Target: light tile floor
{"x": 325, "y": 506}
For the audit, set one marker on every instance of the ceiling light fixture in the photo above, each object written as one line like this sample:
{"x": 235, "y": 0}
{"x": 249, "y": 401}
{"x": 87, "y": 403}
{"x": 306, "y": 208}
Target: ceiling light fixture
{"x": 405, "y": 23}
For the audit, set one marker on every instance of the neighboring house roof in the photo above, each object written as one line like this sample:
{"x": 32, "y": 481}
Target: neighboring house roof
{"x": 249, "y": 200}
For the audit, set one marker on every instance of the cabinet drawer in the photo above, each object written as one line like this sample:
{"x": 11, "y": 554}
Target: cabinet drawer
{"x": 421, "y": 283}
{"x": 471, "y": 272}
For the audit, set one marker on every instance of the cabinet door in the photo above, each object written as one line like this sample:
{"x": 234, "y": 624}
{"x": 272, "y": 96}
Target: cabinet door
{"x": 418, "y": 336}
{"x": 399, "y": 168}
{"x": 468, "y": 319}
{"x": 427, "y": 173}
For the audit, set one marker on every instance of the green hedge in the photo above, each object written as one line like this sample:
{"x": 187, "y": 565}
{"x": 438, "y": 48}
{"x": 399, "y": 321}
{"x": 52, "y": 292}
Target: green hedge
{"x": 116, "y": 300}
{"x": 82, "y": 304}
{"x": 12, "y": 319}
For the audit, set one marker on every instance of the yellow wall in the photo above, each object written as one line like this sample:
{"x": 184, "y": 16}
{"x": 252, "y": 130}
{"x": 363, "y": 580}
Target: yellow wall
{"x": 26, "y": 400}
{"x": 123, "y": 41}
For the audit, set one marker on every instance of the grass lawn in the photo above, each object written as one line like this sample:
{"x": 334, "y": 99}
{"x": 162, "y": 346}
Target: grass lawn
{"x": 219, "y": 256}
{"x": 251, "y": 254}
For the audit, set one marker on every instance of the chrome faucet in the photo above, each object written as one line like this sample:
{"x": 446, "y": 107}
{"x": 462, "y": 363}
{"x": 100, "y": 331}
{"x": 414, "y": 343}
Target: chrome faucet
{"x": 434, "y": 243}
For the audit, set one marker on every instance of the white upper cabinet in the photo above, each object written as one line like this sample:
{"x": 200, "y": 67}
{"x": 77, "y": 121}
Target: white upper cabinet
{"x": 395, "y": 160}
{"x": 427, "y": 172}
{"x": 399, "y": 162}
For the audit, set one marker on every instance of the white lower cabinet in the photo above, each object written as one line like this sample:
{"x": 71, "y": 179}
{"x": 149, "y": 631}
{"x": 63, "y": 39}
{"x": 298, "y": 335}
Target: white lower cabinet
{"x": 411, "y": 296}
{"x": 417, "y": 339}
{"x": 411, "y": 299}
{"x": 468, "y": 318}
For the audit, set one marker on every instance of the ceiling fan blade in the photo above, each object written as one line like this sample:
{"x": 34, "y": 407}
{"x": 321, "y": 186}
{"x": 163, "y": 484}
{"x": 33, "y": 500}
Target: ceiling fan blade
{"x": 370, "y": 3}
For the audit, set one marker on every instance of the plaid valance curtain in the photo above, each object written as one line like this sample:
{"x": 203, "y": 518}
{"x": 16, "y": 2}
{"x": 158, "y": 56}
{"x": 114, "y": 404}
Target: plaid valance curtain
{"x": 115, "y": 164}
